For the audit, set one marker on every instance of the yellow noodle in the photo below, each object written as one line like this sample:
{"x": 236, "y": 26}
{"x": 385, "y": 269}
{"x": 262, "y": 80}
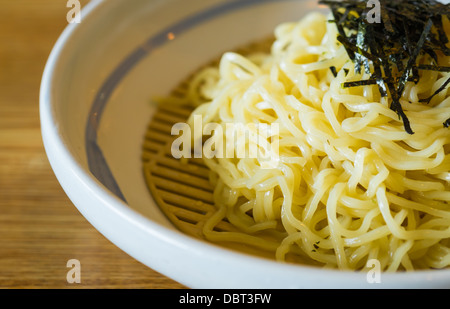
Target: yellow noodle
{"x": 350, "y": 185}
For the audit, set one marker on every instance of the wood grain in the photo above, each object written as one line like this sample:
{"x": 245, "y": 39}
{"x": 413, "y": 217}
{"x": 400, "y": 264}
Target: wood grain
{"x": 40, "y": 229}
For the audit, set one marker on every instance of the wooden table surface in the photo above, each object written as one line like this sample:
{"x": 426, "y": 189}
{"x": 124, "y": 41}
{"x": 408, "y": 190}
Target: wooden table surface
{"x": 40, "y": 229}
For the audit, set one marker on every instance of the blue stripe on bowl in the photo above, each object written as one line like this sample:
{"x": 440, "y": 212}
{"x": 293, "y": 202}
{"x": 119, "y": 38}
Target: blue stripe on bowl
{"x": 96, "y": 160}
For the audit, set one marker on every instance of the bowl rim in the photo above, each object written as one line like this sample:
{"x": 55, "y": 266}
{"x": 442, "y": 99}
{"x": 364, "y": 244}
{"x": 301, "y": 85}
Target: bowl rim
{"x": 52, "y": 140}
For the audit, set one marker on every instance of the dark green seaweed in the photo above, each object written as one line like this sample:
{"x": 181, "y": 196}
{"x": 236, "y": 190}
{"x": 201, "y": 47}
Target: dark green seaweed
{"x": 447, "y": 123}
{"x": 442, "y": 88}
{"x": 433, "y": 68}
{"x": 389, "y": 50}
{"x": 333, "y": 70}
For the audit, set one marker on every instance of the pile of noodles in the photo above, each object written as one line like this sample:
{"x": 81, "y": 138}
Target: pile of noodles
{"x": 350, "y": 185}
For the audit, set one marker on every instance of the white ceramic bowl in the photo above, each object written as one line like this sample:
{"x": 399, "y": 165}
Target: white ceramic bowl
{"x": 94, "y": 112}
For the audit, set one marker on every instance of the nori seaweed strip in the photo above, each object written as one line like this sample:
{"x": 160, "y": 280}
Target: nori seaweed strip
{"x": 361, "y": 43}
{"x": 407, "y": 47}
{"x": 397, "y": 107}
{"x": 342, "y": 34}
{"x": 365, "y": 82}
{"x": 377, "y": 73}
{"x": 442, "y": 88}
{"x": 412, "y": 59}
{"x": 344, "y": 41}
{"x": 370, "y": 81}
{"x": 443, "y": 40}
{"x": 385, "y": 17}
{"x": 397, "y": 60}
{"x": 333, "y": 70}
{"x": 429, "y": 67}
{"x": 396, "y": 95}
{"x": 447, "y": 123}
{"x": 431, "y": 52}
{"x": 437, "y": 20}
{"x": 415, "y": 75}
{"x": 434, "y": 44}
{"x": 359, "y": 59}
